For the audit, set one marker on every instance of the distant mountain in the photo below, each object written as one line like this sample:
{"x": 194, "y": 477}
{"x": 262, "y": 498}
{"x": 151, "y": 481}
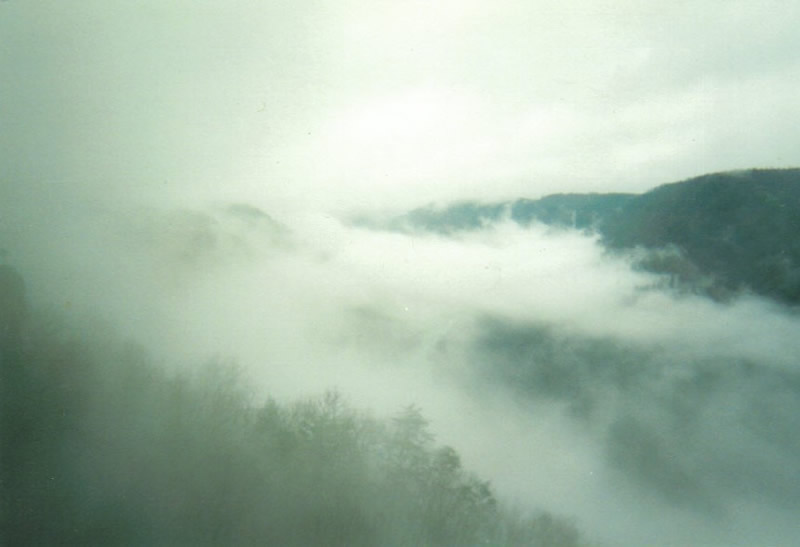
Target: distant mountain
{"x": 720, "y": 234}
{"x": 742, "y": 228}
{"x": 192, "y": 239}
{"x": 581, "y": 211}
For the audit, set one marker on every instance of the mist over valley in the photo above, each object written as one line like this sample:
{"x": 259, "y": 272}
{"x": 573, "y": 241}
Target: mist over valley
{"x": 559, "y": 370}
{"x": 411, "y": 273}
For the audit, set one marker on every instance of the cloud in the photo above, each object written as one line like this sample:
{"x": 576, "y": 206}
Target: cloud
{"x": 282, "y": 104}
{"x": 122, "y": 122}
{"x": 554, "y": 369}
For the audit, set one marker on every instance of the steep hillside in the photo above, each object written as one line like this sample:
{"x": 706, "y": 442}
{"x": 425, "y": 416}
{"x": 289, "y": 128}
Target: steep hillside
{"x": 721, "y": 234}
{"x": 740, "y": 228}
{"x": 101, "y": 446}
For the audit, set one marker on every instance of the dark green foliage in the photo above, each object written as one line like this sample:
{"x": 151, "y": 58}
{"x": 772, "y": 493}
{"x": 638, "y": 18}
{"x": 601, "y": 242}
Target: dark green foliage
{"x": 101, "y": 447}
{"x": 739, "y": 228}
{"x": 717, "y": 235}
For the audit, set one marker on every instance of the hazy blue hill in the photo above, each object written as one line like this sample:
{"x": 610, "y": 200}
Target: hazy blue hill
{"x": 718, "y": 234}
{"x": 666, "y": 420}
{"x": 454, "y": 218}
{"x": 582, "y": 211}
{"x": 741, "y": 228}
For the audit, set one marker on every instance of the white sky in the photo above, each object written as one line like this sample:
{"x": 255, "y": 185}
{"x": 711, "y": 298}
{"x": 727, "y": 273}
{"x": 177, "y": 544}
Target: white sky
{"x": 390, "y": 103}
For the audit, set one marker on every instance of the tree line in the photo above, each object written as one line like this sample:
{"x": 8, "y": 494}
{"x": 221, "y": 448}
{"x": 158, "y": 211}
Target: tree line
{"x": 101, "y": 446}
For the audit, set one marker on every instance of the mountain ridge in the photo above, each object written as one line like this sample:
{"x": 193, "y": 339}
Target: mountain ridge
{"x": 720, "y": 234}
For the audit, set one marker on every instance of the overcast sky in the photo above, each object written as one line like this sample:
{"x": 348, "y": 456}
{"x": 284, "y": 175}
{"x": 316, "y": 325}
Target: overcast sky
{"x": 373, "y": 103}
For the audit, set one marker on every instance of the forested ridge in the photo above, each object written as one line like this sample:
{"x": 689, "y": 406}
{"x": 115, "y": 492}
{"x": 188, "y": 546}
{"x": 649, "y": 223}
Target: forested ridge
{"x": 102, "y": 446}
{"x": 720, "y": 234}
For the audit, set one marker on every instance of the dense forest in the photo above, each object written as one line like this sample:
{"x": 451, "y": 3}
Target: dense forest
{"x": 102, "y": 446}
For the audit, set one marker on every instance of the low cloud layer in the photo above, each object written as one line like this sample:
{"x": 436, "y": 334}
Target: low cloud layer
{"x": 175, "y": 172}
{"x": 569, "y": 380}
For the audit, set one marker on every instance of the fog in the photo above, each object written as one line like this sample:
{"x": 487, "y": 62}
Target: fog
{"x": 368, "y": 105}
{"x": 571, "y": 381}
{"x": 182, "y": 175}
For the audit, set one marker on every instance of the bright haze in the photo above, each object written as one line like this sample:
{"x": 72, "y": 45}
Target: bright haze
{"x": 375, "y": 103}
{"x": 180, "y": 172}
